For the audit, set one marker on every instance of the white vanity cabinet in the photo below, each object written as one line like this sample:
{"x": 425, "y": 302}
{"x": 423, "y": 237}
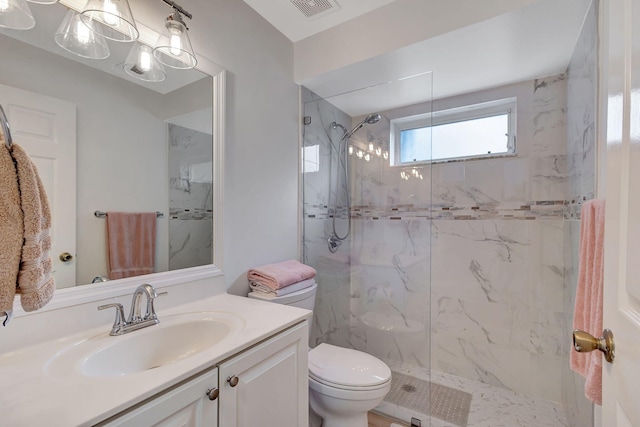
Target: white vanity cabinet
{"x": 267, "y": 385}
{"x": 187, "y": 405}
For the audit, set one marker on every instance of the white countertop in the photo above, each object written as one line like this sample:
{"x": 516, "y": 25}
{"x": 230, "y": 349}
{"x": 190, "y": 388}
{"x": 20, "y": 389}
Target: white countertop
{"x": 32, "y": 395}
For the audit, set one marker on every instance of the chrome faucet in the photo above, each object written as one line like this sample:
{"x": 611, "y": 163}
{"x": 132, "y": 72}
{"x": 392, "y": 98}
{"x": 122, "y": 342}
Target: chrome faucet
{"x": 136, "y": 320}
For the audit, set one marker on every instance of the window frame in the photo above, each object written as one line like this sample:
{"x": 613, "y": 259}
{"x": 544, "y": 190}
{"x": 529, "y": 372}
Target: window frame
{"x": 454, "y": 115}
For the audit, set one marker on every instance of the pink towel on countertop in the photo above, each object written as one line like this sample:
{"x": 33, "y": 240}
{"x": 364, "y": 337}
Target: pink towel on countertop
{"x": 131, "y": 243}
{"x": 279, "y": 275}
{"x": 587, "y": 314}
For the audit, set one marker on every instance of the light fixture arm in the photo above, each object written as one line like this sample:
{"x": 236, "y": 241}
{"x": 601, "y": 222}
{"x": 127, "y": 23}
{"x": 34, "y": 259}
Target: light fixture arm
{"x": 179, "y": 8}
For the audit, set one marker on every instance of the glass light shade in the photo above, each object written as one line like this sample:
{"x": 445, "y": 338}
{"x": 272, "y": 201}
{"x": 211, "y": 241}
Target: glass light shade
{"x": 77, "y": 37}
{"x": 174, "y": 48}
{"x": 115, "y": 17}
{"x": 142, "y": 65}
{"x": 16, "y": 15}
{"x": 43, "y": 1}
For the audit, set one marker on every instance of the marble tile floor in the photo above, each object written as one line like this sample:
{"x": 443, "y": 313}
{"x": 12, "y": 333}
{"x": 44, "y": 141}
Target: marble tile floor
{"x": 490, "y": 406}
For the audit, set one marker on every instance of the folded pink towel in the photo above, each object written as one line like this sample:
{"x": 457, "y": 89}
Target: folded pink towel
{"x": 131, "y": 243}
{"x": 295, "y": 287}
{"x": 587, "y": 314}
{"x": 282, "y": 274}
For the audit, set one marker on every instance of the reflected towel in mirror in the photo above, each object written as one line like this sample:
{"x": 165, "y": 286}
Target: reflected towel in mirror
{"x": 131, "y": 243}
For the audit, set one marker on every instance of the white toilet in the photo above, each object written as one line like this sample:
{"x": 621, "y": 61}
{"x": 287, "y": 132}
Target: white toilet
{"x": 344, "y": 384}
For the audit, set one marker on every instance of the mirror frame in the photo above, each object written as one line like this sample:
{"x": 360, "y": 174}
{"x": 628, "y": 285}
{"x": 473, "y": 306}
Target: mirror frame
{"x": 81, "y": 294}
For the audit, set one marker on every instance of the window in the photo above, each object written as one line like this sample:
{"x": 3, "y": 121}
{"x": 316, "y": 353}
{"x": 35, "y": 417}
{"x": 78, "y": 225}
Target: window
{"x": 311, "y": 159}
{"x": 480, "y": 130}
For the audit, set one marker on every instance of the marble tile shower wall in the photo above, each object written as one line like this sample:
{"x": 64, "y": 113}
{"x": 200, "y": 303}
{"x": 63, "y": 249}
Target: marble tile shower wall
{"x": 461, "y": 270}
{"x": 331, "y": 323}
{"x": 190, "y": 198}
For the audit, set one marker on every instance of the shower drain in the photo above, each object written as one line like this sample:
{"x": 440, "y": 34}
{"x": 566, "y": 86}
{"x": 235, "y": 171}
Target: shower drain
{"x": 409, "y": 388}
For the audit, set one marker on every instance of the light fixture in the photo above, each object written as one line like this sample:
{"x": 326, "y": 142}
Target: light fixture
{"x": 360, "y": 154}
{"x": 174, "y": 49}
{"x": 80, "y": 38}
{"x": 367, "y": 157}
{"x": 350, "y": 150}
{"x": 16, "y": 15}
{"x": 385, "y": 155}
{"x": 379, "y": 151}
{"x": 142, "y": 65}
{"x": 115, "y": 17}
{"x": 43, "y": 1}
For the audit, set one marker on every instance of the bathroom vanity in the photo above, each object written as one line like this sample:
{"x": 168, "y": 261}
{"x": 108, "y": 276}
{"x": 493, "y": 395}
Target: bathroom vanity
{"x": 221, "y": 360}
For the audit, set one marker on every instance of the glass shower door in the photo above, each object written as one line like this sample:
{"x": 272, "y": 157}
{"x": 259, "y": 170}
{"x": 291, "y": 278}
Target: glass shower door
{"x": 367, "y": 231}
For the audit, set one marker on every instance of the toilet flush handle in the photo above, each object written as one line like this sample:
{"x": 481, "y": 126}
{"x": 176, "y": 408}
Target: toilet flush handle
{"x": 232, "y": 380}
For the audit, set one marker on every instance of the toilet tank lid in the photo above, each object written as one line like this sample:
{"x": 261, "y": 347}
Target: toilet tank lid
{"x": 347, "y": 367}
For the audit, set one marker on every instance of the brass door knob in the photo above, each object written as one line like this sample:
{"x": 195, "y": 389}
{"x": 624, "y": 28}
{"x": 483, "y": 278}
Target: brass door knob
{"x": 584, "y": 342}
{"x": 66, "y": 257}
{"x": 213, "y": 393}
{"x": 233, "y": 381}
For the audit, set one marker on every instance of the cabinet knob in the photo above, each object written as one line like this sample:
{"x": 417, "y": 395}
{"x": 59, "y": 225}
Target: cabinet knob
{"x": 213, "y": 393}
{"x": 232, "y": 380}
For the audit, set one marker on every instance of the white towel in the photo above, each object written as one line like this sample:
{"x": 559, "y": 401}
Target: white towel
{"x": 260, "y": 287}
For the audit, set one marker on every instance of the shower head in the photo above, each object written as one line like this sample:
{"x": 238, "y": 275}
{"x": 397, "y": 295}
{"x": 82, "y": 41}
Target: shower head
{"x": 372, "y": 118}
{"x": 369, "y": 120}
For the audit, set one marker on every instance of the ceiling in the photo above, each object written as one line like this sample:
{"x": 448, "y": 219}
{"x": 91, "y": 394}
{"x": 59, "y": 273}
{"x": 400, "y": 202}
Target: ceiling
{"x": 295, "y": 25}
{"x": 528, "y": 42}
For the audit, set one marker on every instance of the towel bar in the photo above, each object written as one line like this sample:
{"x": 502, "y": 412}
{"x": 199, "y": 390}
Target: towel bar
{"x": 5, "y": 128}
{"x": 100, "y": 214}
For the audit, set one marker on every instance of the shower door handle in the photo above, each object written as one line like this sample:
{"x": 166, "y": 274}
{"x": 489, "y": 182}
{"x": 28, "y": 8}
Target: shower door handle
{"x": 584, "y": 342}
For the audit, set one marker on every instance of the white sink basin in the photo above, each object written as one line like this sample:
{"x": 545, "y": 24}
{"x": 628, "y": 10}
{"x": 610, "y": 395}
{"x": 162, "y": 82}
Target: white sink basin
{"x": 175, "y": 338}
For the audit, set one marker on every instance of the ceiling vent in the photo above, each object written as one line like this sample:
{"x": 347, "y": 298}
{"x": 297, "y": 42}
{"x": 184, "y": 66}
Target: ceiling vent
{"x": 315, "y": 8}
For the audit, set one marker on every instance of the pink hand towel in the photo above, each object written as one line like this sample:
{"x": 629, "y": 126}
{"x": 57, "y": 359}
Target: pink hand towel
{"x": 279, "y": 275}
{"x": 587, "y": 314}
{"x": 131, "y": 243}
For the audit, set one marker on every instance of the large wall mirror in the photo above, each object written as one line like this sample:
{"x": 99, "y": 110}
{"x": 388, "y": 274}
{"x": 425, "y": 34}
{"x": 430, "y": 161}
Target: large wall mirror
{"x": 134, "y": 146}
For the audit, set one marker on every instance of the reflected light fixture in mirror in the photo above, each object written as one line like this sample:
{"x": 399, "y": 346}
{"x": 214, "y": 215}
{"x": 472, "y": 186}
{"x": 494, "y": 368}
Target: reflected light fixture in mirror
{"x": 116, "y": 17}
{"x": 142, "y": 65}
{"x": 174, "y": 49}
{"x": 16, "y": 15}
{"x": 82, "y": 39}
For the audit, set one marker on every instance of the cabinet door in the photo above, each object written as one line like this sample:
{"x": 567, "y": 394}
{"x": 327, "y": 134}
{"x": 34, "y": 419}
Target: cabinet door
{"x": 186, "y": 406}
{"x": 272, "y": 383}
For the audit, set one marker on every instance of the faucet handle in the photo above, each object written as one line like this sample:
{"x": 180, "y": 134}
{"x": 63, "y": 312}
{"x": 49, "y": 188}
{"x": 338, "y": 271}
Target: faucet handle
{"x": 119, "y": 323}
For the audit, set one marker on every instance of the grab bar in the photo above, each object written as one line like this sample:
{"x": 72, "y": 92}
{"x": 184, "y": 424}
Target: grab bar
{"x": 100, "y": 214}
{"x": 5, "y": 129}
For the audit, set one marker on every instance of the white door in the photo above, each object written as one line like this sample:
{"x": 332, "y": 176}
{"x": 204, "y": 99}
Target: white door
{"x": 46, "y": 128}
{"x": 620, "y": 31}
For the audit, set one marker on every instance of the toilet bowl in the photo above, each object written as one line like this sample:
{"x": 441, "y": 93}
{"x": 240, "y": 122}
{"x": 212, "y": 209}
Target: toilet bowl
{"x": 344, "y": 384}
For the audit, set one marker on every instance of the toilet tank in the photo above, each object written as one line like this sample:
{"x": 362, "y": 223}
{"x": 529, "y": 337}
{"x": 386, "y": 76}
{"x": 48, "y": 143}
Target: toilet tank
{"x": 304, "y": 298}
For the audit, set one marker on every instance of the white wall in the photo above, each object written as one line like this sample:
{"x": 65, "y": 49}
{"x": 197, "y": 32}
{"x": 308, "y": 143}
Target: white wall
{"x": 261, "y": 148}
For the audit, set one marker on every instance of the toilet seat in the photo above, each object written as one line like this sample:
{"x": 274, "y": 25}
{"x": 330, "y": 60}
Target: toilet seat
{"x": 347, "y": 369}
{"x": 362, "y": 394}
